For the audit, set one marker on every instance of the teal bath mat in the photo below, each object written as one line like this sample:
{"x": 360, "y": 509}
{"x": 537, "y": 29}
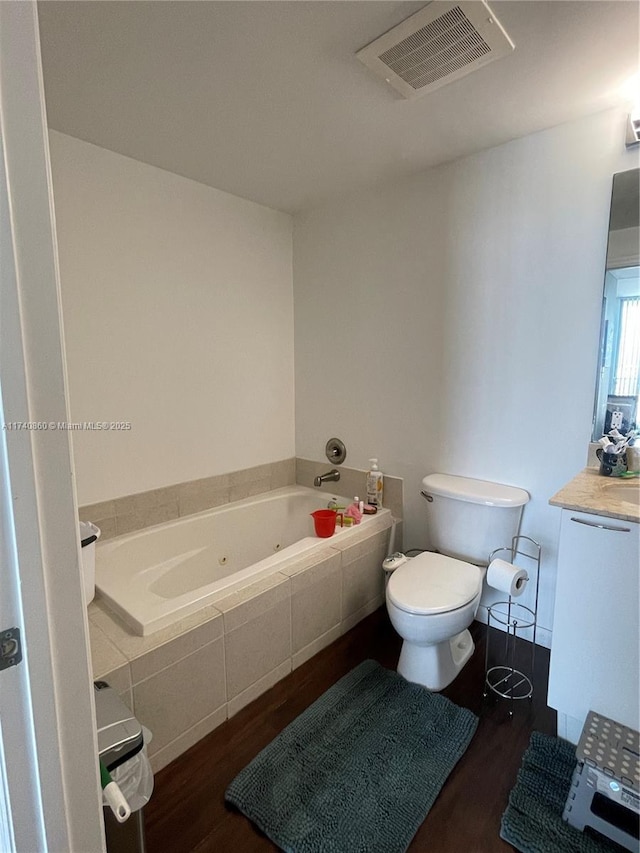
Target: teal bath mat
{"x": 358, "y": 770}
{"x": 533, "y": 821}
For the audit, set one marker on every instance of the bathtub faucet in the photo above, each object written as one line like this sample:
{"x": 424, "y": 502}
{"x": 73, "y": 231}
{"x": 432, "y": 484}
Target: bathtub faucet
{"x": 331, "y": 477}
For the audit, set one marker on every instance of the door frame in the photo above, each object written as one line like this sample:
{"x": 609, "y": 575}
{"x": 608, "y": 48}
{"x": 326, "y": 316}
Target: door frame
{"x": 49, "y": 781}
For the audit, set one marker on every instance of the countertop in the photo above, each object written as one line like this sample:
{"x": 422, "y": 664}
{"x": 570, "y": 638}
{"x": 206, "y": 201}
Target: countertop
{"x": 590, "y": 492}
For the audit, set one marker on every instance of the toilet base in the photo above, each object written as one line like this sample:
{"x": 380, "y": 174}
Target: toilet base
{"x": 435, "y": 666}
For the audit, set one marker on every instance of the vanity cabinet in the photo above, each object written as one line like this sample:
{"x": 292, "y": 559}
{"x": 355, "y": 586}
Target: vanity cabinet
{"x": 595, "y": 646}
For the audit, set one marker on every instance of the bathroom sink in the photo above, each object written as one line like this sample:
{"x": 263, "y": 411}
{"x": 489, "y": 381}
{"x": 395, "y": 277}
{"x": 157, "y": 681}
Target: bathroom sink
{"x": 628, "y": 492}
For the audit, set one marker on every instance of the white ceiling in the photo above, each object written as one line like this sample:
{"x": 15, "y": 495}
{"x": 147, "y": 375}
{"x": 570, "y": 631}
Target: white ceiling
{"x": 267, "y": 99}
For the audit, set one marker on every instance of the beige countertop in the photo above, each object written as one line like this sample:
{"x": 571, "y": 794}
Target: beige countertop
{"x": 614, "y": 497}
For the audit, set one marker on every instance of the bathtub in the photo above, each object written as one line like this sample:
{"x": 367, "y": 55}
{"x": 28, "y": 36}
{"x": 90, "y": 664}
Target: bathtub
{"x": 157, "y": 576}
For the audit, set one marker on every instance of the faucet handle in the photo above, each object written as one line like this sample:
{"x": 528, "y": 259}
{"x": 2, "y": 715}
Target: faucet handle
{"x": 335, "y": 451}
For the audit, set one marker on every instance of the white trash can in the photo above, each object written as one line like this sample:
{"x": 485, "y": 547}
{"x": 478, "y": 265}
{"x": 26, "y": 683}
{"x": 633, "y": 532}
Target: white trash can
{"x": 89, "y": 535}
{"x": 122, "y": 744}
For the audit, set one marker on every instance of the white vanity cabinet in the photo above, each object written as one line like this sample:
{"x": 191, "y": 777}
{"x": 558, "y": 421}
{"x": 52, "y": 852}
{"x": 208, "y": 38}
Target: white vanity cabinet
{"x": 596, "y": 635}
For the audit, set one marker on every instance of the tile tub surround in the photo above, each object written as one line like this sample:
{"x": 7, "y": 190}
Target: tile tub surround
{"x": 353, "y": 481}
{"x": 183, "y": 681}
{"x": 135, "y": 512}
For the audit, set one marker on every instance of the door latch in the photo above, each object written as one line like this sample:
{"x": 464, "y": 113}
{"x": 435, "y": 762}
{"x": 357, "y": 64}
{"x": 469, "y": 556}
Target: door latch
{"x": 10, "y": 648}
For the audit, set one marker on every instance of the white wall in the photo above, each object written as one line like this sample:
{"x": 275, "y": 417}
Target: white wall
{"x": 178, "y": 313}
{"x": 449, "y": 322}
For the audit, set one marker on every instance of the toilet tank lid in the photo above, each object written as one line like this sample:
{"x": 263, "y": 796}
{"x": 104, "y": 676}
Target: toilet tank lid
{"x": 474, "y": 491}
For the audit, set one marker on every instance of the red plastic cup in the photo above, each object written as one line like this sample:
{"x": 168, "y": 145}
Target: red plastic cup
{"x": 325, "y": 522}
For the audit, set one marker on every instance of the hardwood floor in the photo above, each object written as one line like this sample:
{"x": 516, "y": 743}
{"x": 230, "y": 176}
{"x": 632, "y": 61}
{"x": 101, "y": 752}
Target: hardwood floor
{"x": 187, "y": 813}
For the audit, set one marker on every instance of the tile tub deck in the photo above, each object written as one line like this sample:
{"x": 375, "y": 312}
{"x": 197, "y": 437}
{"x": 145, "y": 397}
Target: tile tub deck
{"x": 185, "y": 680}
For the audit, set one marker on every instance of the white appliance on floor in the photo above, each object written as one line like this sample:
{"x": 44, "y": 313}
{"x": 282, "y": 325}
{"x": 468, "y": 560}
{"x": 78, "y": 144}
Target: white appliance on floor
{"x": 433, "y": 598}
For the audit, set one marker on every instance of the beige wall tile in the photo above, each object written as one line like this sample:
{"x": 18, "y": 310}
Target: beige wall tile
{"x": 306, "y": 470}
{"x": 356, "y": 546}
{"x": 259, "y": 687}
{"x": 353, "y": 481}
{"x": 393, "y": 495}
{"x": 177, "y": 698}
{"x": 316, "y": 604}
{"x": 133, "y": 646}
{"x": 174, "y": 650}
{"x": 127, "y": 698}
{"x": 398, "y": 538}
{"x": 105, "y": 656}
{"x": 248, "y": 489}
{"x": 135, "y": 512}
{"x": 250, "y": 602}
{"x": 146, "y": 500}
{"x": 249, "y": 475}
{"x": 198, "y": 495}
{"x": 377, "y": 527}
{"x": 183, "y": 742}
{"x": 300, "y": 562}
{"x": 317, "y": 574}
{"x": 283, "y": 473}
{"x": 108, "y": 527}
{"x": 305, "y": 564}
{"x": 106, "y": 509}
{"x": 147, "y": 517}
{"x": 362, "y": 580}
{"x": 249, "y": 482}
{"x": 257, "y": 647}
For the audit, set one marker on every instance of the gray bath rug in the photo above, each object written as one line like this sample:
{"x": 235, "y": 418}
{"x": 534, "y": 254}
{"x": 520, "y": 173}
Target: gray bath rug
{"x": 533, "y": 821}
{"x": 359, "y": 769}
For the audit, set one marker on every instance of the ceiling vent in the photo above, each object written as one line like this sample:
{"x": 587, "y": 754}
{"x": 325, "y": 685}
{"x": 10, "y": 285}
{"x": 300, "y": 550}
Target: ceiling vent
{"x": 439, "y": 44}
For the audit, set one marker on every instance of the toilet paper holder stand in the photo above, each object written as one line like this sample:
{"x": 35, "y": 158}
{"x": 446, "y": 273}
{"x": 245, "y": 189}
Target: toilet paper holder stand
{"x": 510, "y": 618}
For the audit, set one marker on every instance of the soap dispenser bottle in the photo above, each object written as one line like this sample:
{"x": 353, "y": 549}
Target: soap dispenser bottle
{"x": 375, "y": 484}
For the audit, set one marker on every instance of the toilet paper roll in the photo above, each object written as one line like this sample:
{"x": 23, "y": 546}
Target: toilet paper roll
{"x": 506, "y": 577}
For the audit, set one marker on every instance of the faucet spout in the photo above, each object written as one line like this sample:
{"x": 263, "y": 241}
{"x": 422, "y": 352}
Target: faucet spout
{"x": 330, "y": 477}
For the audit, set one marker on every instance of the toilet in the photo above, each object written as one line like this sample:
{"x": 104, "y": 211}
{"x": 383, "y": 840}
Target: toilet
{"x": 433, "y": 598}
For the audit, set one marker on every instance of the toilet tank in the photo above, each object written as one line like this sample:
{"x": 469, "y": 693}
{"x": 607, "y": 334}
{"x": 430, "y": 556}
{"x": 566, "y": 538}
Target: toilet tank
{"x": 468, "y": 519}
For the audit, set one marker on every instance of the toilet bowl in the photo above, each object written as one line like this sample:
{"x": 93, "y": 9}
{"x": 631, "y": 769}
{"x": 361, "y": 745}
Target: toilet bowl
{"x": 431, "y": 600}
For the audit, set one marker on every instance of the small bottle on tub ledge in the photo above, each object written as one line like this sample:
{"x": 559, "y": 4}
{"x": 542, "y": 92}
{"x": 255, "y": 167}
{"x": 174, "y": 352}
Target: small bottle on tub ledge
{"x": 353, "y": 510}
{"x": 375, "y": 484}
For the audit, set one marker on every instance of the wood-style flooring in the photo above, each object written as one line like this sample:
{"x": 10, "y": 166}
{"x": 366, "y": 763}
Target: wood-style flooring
{"x": 187, "y": 812}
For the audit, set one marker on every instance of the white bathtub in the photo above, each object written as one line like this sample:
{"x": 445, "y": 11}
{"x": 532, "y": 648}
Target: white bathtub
{"x": 156, "y": 576}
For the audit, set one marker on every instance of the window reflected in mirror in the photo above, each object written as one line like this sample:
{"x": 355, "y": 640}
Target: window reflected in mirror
{"x": 618, "y": 382}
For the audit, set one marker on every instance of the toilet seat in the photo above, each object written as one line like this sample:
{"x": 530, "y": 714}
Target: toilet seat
{"x": 432, "y": 583}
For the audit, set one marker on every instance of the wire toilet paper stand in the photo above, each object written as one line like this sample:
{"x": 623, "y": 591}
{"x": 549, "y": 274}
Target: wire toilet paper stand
{"x": 504, "y": 679}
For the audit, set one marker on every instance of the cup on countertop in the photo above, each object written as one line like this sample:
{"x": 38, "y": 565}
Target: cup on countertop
{"x": 612, "y": 464}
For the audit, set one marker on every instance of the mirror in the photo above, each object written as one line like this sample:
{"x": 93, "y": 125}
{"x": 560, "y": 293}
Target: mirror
{"x": 618, "y": 380}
